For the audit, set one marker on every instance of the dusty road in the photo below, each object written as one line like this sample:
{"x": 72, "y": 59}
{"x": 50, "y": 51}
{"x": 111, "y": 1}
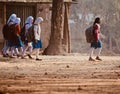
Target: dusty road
{"x": 60, "y": 75}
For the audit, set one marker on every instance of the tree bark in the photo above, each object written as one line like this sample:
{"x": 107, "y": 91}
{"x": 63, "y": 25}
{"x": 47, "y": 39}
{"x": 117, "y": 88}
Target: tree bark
{"x": 55, "y": 44}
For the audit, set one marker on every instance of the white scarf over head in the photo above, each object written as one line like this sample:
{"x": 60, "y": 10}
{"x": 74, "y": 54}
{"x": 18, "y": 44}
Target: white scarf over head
{"x": 17, "y": 21}
{"x": 29, "y": 22}
{"x": 11, "y": 19}
{"x": 37, "y": 28}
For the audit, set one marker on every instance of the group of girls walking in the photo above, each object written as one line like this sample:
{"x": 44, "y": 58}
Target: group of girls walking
{"x": 14, "y": 46}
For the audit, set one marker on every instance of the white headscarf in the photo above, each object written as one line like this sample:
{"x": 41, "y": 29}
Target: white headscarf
{"x": 37, "y": 28}
{"x": 29, "y": 20}
{"x": 12, "y": 19}
{"x": 17, "y": 20}
{"x": 38, "y": 20}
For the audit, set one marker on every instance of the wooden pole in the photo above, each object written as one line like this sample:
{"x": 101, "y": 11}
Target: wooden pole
{"x": 66, "y": 34}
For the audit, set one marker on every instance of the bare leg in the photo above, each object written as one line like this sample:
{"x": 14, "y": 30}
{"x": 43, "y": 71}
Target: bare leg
{"x": 98, "y": 54}
{"x": 37, "y": 54}
{"x": 91, "y": 54}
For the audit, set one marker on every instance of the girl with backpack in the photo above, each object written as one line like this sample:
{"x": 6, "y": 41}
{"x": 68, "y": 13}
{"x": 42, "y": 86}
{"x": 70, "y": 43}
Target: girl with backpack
{"x": 97, "y": 42}
{"x": 28, "y": 45}
{"x": 17, "y": 41}
{"x": 9, "y": 39}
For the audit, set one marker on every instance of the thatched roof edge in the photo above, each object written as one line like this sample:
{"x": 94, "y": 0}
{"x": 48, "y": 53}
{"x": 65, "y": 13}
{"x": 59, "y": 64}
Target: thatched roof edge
{"x": 35, "y": 1}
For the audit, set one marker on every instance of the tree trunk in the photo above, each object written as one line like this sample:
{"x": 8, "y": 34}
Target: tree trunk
{"x": 55, "y": 44}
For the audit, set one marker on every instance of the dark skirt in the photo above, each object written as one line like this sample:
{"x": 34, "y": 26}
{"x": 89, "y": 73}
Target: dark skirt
{"x": 38, "y": 44}
{"x": 19, "y": 43}
{"x": 9, "y": 43}
{"x": 96, "y": 45}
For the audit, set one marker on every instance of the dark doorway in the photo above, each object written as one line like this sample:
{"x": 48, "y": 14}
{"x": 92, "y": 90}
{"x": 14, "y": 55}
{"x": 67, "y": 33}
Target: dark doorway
{"x": 21, "y": 10}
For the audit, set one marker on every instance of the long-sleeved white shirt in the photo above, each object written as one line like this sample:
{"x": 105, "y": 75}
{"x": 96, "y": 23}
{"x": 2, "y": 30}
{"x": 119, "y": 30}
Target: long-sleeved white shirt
{"x": 37, "y": 31}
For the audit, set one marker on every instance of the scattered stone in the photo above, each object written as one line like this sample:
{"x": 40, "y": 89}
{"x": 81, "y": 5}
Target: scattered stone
{"x": 118, "y": 74}
{"x": 17, "y": 67}
{"x": 65, "y": 76}
{"x": 67, "y": 66}
{"x": 30, "y": 82}
{"x": 119, "y": 66}
{"x": 9, "y": 85}
{"x": 46, "y": 73}
{"x": 79, "y": 88}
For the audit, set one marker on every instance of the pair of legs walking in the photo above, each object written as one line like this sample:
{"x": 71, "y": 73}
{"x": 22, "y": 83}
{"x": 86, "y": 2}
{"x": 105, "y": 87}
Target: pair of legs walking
{"x": 98, "y": 54}
{"x": 98, "y": 47}
{"x": 30, "y": 49}
{"x": 11, "y": 49}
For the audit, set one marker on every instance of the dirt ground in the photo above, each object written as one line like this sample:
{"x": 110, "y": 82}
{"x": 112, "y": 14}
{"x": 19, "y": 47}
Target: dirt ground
{"x": 60, "y": 75}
